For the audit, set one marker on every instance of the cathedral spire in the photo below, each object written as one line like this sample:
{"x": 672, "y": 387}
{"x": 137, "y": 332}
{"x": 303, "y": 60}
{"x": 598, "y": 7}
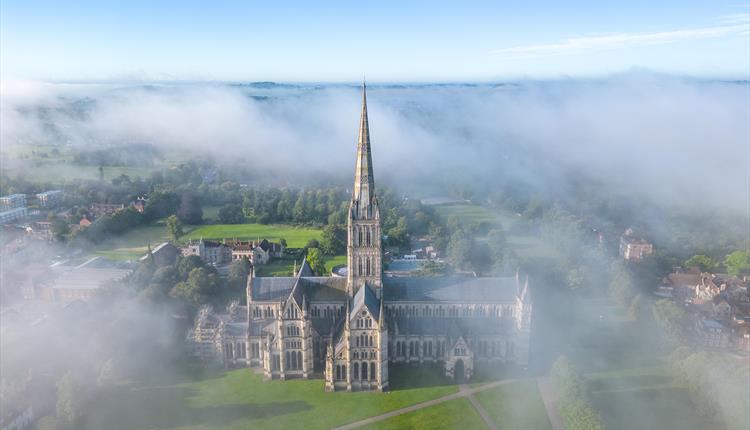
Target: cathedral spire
{"x": 364, "y": 181}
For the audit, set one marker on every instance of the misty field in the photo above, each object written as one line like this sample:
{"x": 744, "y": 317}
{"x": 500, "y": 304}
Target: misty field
{"x": 517, "y": 405}
{"x": 644, "y": 397}
{"x": 296, "y": 237}
{"x": 240, "y": 399}
{"x": 134, "y": 243}
{"x": 523, "y": 244}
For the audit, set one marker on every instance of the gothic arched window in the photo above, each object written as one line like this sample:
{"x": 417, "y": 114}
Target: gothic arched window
{"x": 364, "y": 371}
{"x": 372, "y": 371}
{"x": 356, "y": 371}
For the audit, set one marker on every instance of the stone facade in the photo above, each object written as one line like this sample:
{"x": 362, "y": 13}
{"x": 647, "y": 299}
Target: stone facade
{"x": 351, "y": 329}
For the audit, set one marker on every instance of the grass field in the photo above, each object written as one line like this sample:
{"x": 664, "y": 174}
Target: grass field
{"x": 644, "y": 397}
{"x": 285, "y": 267}
{"x": 453, "y": 414}
{"x": 525, "y": 246}
{"x": 133, "y": 244}
{"x": 517, "y": 405}
{"x": 296, "y": 237}
{"x": 240, "y": 399}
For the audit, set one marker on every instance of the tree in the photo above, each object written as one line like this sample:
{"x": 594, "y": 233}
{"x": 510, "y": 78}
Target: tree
{"x": 703, "y": 262}
{"x": 333, "y": 241}
{"x": 316, "y": 261}
{"x": 161, "y": 204}
{"x": 459, "y": 250}
{"x": 200, "y": 286}
{"x": 621, "y": 287}
{"x": 238, "y": 271}
{"x": 58, "y": 227}
{"x": 672, "y": 319}
{"x": 498, "y": 244}
{"x": 190, "y": 211}
{"x": 312, "y": 243}
{"x": 737, "y": 262}
{"x": 174, "y": 226}
{"x": 186, "y": 265}
{"x": 231, "y": 214}
{"x": 69, "y": 399}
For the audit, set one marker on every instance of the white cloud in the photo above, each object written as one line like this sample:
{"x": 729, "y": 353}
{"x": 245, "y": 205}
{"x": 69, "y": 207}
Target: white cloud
{"x": 734, "y": 25}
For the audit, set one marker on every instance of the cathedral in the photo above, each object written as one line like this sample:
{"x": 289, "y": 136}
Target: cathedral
{"x": 350, "y": 329}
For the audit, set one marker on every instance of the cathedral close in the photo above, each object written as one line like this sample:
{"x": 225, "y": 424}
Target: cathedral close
{"x": 351, "y": 328}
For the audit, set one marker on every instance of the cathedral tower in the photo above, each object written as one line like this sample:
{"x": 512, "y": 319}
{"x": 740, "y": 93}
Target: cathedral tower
{"x": 364, "y": 256}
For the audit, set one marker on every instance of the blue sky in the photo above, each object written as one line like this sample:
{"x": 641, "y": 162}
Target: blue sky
{"x": 387, "y": 41}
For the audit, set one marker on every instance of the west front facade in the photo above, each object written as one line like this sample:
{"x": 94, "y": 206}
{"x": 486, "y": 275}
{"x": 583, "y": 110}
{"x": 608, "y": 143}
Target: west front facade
{"x": 352, "y": 328}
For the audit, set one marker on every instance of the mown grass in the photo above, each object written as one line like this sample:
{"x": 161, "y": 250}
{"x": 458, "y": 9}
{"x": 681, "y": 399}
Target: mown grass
{"x": 285, "y": 266}
{"x": 296, "y": 237}
{"x": 516, "y": 405}
{"x": 644, "y": 397}
{"x": 240, "y": 399}
{"x": 524, "y": 245}
{"x": 134, "y": 243}
{"x": 453, "y": 414}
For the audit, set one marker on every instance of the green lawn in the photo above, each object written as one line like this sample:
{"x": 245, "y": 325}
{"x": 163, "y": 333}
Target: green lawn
{"x": 467, "y": 213}
{"x": 644, "y": 397}
{"x": 526, "y": 246}
{"x": 517, "y": 405}
{"x": 134, "y": 243}
{"x": 296, "y": 237}
{"x": 285, "y": 266}
{"x": 453, "y": 414}
{"x": 240, "y": 399}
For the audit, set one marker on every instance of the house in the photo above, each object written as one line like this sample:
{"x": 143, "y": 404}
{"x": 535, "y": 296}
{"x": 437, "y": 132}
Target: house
{"x": 211, "y": 252}
{"x": 257, "y": 252}
{"x": 101, "y": 209}
{"x": 164, "y": 254}
{"x": 711, "y": 334}
{"x": 84, "y": 222}
{"x": 139, "y": 204}
{"x": 634, "y": 248}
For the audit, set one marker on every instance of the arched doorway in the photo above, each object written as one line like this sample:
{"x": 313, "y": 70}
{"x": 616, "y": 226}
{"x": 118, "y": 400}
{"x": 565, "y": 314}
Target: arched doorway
{"x": 458, "y": 372}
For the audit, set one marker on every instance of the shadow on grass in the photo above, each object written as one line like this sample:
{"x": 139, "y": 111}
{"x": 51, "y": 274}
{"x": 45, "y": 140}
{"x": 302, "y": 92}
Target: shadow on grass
{"x": 410, "y": 376}
{"x": 169, "y": 407}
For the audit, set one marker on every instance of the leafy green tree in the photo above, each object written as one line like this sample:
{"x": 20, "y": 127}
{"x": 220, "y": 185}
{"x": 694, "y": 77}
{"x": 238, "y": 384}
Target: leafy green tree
{"x": 231, "y": 214}
{"x": 69, "y": 399}
{"x": 190, "y": 211}
{"x": 672, "y": 319}
{"x": 703, "y": 262}
{"x": 737, "y": 262}
{"x": 460, "y": 250}
{"x": 186, "y": 265}
{"x": 312, "y": 243}
{"x": 238, "y": 272}
{"x": 498, "y": 244}
{"x": 621, "y": 287}
{"x": 59, "y": 227}
{"x": 333, "y": 241}
{"x": 199, "y": 288}
{"x": 174, "y": 226}
{"x": 316, "y": 261}
{"x": 161, "y": 204}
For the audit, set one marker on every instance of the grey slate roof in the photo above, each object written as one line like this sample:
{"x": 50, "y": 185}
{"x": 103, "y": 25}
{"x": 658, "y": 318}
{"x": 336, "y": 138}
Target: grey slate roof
{"x": 272, "y": 288}
{"x": 365, "y": 296}
{"x": 450, "y": 289}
